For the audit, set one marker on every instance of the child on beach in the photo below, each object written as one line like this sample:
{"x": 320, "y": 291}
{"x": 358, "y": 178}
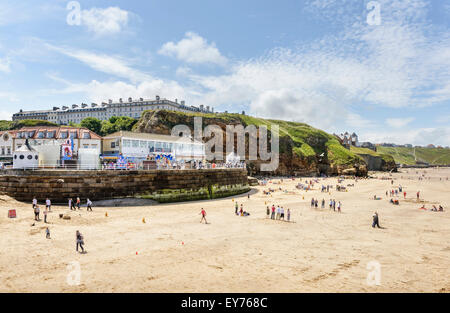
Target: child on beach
{"x": 48, "y": 204}
{"x": 268, "y": 212}
{"x": 36, "y": 213}
{"x": 203, "y": 213}
{"x": 45, "y": 214}
{"x": 34, "y": 202}
{"x": 288, "y": 215}
{"x": 47, "y": 233}
{"x": 89, "y": 205}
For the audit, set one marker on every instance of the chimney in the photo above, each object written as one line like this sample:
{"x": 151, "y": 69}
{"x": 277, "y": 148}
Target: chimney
{"x": 55, "y": 108}
{"x": 130, "y": 99}
{"x": 182, "y": 102}
{"x": 74, "y": 106}
{"x": 207, "y": 108}
{"x": 94, "y": 105}
{"x": 83, "y": 105}
{"x": 157, "y": 98}
{"x": 65, "y": 107}
{"x": 120, "y": 100}
{"x": 201, "y": 107}
{"x": 176, "y": 100}
{"x": 141, "y": 99}
{"x": 212, "y": 109}
{"x": 109, "y": 101}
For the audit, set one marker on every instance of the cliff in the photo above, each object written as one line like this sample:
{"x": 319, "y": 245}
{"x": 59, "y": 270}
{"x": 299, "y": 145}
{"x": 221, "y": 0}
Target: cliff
{"x": 304, "y": 150}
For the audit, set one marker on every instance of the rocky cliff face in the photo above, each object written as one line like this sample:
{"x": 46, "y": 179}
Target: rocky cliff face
{"x": 323, "y": 153}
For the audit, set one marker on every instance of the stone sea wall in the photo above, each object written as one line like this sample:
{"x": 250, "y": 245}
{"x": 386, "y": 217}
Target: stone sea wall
{"x": 59, "y": 185}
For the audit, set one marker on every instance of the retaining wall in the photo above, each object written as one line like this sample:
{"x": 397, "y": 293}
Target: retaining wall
{"x": 59, "y": 185}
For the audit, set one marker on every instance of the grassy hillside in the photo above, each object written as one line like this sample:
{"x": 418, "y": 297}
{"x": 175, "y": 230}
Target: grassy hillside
{"x": 385, "y": 156}
{"x": 10, "y": 125}
{"x": 402, "y": 155}
{"x": 304, "y": 141}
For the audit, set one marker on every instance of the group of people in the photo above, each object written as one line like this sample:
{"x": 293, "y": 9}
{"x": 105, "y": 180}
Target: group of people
{"x": 77, "y": 205}
{"x": 240, "y": 211}
{"x": 278, "y": 213}
{"x": 37, "y": 210}
{"x": 48, "y": 208}
{"x": 332, "y": 204}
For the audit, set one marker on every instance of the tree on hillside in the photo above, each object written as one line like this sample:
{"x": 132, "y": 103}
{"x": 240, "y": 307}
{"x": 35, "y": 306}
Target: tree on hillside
{"x": 92, "y": 124}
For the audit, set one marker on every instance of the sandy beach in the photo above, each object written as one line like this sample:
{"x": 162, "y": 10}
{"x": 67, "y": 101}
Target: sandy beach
{"x": 319, "y": 251}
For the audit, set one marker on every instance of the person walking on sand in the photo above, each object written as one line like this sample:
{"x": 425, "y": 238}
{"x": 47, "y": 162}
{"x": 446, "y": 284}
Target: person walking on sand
{"x": 78, "y": 203}
{"x": 70, "y": 203}
{"x": 203, "y": 213}
{"x": 273, "y": 212}
{"x": 278, "y": 212}
{"x": 45, "y": 215}
{"x": 375, "y": 220}
{"x": 323, "y": 203}
{"x": 36, "y": 213}
{"x": 268, "y": 212}
{"x": 282, "y": 213}
{"x": 80, "y": 241}
{"x": 47, "y": 233}
{"x": 331, "y": 204}
{"x": 339, "y": 207}
{"x": 334, "y": 205}
{"x": 418, "y": 195}
{"x": 236, "y": 208}
{"x": 288, "y": 215}
{"x": 89, "y": 205}
{"x": 34, "y": 202}
{"x": 48, "y": 204}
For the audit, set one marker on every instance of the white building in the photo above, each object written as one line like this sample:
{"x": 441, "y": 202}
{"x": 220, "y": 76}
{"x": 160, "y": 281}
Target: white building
{"x": 48, "y": 142}
{"x": 131, "y": 108}
{"x": 140, "y": 146}
{"x": 25, "y": 157}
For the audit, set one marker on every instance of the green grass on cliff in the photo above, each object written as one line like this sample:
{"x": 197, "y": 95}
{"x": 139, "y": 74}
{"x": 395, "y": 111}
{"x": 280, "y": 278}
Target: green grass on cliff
{"x": 304, "y": 141}
{"x": 403, "y": 155}
{"x": 386, "y": 157}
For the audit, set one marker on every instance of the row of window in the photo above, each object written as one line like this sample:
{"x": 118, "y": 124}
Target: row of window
{"x": 52, "y": 135}
{"x": 5, "y": 150}
{"x": 161, "y": 146}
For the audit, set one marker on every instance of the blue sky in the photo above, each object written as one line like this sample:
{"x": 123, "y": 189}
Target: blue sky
{"x": 329, "y": 63}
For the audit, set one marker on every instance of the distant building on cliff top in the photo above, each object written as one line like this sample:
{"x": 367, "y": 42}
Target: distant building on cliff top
{"x": 131, "y": 108}
{"x": 348, "y": 140}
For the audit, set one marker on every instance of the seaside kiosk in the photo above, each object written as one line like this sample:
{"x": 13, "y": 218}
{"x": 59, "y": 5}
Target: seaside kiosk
{"x": 26, "y": 157}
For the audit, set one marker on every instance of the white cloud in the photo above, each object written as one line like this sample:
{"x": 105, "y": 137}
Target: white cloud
{"x": 4, "y": 115}
{"x": 193, "y": 49}
{"x": 106, "y": 21}
{"x": 416, "y": 136}
{"x": 104, "y": 63}
{"x": 5, "y": 65}
{"x": 399, "y": 122}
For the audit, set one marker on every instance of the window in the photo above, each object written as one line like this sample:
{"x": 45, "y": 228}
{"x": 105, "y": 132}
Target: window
{"x": 127, "y": 143}
{"x": 8, "y": 150}
{"x": 3, "y": 150}
{"x": 21, "y": 157}
{"x": 143, "y": 144}
{"x": 113, "y": 145}
{"x": 63, "y": 135}
{"x": 151, "y": 146}
{"x": 73, "y": 135}
{"x": 135, "y": 143}
{"x": 51, "y": 134}
{"x": 86, "y": 135}
{"x": 29, "y": 157}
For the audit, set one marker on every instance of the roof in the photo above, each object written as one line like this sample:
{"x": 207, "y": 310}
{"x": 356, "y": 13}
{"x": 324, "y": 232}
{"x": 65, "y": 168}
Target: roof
{"x": 148, "y": 136}
{"x": 26, "y": 148}
{"x": 56, "y": 129}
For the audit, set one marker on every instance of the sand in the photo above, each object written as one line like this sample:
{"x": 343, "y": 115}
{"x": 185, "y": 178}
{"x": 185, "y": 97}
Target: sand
{"x": 320, "y": 251}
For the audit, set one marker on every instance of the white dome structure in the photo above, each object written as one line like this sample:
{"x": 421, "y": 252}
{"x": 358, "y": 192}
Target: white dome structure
{"x": 25, "y": 157}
